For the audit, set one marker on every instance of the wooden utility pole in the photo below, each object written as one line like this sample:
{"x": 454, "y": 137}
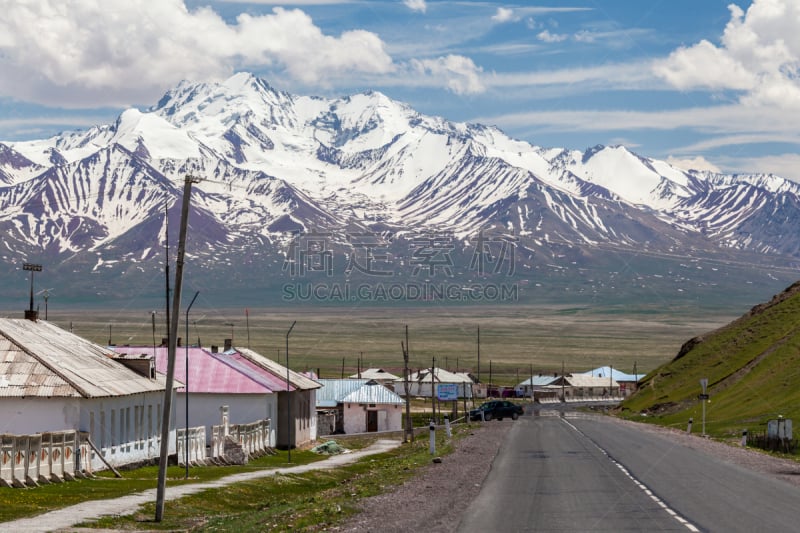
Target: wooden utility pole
{"x": 173, "y": 337}
{"x": 409, "y": 433}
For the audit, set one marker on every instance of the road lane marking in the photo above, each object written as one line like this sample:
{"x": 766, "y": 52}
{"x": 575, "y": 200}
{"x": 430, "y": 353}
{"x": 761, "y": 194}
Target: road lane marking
{"x": 642, "y": 486}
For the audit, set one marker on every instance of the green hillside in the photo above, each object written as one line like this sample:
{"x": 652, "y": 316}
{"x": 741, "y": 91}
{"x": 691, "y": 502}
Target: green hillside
{"x": 753, "y": 371}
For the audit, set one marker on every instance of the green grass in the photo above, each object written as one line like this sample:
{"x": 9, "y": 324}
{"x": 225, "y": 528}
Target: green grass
{"x": 313, "y": 501}
{"x": 513, "y": 339}
{"x": 753, "y": 371}
{"x": 21, "y": 503}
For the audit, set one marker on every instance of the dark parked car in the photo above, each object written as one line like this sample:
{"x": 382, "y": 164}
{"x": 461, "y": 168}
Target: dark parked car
{"x": 497, "y": 409}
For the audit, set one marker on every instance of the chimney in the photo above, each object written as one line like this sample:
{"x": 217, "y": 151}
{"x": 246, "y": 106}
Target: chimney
{"x": 228, "y": 344}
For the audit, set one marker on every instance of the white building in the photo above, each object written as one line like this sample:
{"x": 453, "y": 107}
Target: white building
{"x": 359, "y": 406}
{"x": 52, "y": 380}
{"x": 423, "y": 382}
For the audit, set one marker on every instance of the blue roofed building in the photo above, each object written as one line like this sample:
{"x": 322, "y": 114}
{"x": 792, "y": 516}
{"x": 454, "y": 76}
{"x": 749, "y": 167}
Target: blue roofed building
{"x": 357, "y": 406}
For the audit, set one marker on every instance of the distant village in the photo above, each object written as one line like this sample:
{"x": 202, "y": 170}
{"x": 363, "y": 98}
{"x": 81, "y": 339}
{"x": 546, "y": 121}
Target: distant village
{"x": 71, "y": 407}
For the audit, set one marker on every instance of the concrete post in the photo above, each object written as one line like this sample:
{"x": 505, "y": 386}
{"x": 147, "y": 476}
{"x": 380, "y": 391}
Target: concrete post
{"x": 689, "y": 427}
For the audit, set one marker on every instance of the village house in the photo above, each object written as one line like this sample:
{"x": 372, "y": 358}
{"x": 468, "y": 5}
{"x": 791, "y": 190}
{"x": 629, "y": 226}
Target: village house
{"x": 297, "y": 400}
{"x": 628, "y": 383}
{"x": 358, "y": 406}
{"x": 423, "y": 382}
{"x": 379, "y": 375}
{"x": 215, "y": 380}
{"x": 52, "y": 381}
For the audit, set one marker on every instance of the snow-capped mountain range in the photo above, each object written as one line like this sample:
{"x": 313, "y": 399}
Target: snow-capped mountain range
{"x": 91, "y": 204}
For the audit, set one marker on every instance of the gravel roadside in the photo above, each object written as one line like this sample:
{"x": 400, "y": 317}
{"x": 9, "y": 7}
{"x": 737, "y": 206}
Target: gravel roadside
{"x": 435, "y": 499}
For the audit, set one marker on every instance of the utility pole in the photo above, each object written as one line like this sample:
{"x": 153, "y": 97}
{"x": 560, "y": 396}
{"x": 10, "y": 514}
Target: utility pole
{"x": 289, "y": 422}
{"x": 173, "y": 337}
{"x": 409, "y": 433}
{"x": 186, "y": 387}
{"x": 433, "y": 387}
{"x": 479, "y": 354}
{"x": 166, "y": 263}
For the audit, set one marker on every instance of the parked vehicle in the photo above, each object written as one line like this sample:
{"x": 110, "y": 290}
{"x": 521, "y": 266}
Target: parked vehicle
{"x": 497, "y": 409}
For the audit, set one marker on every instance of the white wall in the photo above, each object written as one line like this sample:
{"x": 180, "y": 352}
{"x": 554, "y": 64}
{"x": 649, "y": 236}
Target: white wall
{"x": 25, "y": 416}
{"x": 126, "y": 429}
{"x": 390, "y": 417}
{"x": 204, "y": 410}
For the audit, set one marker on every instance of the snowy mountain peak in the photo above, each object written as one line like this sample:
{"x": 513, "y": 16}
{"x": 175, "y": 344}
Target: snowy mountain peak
{"x": 276, "y": 163}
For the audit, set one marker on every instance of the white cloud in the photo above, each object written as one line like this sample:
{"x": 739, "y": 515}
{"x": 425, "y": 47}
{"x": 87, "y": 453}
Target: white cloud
{"x": 758, "y": 55}
{"x": 416, "y": 5}
{"x": 548, "y": 37}
{"x": 457, "y": 73}
{"x": 692, "y": 163}
{"x": 77, "y": 52}
{"x": 504, "y": 14}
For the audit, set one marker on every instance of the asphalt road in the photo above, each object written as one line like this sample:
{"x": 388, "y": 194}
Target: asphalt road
{"x": 585, "y": 473}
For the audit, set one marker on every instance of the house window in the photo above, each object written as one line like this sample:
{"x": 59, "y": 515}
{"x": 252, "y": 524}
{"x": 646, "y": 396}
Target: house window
{"x": 102, "y": 429}
{"x": 113, "y": 429}
{"x": 128, "y": 434}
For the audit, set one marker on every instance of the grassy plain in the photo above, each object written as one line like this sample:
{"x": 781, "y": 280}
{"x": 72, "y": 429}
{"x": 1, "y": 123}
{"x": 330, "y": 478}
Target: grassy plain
{"x": 512, "y": 339}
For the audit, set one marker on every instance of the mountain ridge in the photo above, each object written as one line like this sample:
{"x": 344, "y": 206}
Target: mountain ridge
{"x": 275, "y": 164}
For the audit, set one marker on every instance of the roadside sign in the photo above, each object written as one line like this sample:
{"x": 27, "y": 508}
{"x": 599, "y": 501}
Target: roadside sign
{"x": 703, "y": 396}
{"x": 447, "y": 392}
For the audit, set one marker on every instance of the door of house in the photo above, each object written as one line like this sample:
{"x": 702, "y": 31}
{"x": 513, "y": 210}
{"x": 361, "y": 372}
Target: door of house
{"x": 372, "y": 421}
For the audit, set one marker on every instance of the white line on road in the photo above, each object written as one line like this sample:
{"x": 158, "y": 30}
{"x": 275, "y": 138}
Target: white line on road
{"x": 642, "y": 486}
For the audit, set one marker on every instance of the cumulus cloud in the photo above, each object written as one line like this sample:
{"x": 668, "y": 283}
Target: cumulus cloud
{"x": 548, "y": 37}
{"x": 416, "y": 5}
{"x": 758, "y": 56}
{"x": 81, "y": 52}
{"x": 457, "y": 73}
{"x": 504, "y": 14}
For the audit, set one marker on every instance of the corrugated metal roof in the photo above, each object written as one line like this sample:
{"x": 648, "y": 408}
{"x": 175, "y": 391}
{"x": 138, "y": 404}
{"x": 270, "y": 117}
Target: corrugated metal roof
{"x": 336, "y": 391}
{"x": 43, "y": 360}
{"x": 440, "y": 376}
{"x": 333, "y": 390}
{"x": 605, "y": 371}
{"x": 375, "y": 373}
{"x": 297, "y": 380}
{"x": 582, "y": 380}
{"x": 540, "y": 380}
{"x": 373, "y": 392}
{"x": 208, "y": 373}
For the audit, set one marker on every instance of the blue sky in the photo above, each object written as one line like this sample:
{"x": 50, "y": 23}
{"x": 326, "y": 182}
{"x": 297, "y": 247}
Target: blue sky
{"x": 705, "y": 84}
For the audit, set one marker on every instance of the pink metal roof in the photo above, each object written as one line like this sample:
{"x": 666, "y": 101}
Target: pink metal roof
{"x": 211, "y": 373}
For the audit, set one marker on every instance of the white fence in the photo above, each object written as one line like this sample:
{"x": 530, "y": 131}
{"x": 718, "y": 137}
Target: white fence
{"x": 253, "y": 438}
{"x": 30, "y": 460}
{"x": 196, "y": 446}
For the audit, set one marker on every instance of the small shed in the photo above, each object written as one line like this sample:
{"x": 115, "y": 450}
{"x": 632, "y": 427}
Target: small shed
{"x": 358, "y": 406}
